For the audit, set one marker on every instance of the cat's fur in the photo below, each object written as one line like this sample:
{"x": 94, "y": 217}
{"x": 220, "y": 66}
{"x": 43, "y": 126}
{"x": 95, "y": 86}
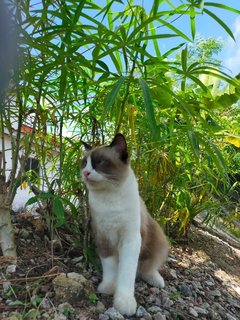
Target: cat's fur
{"x": 128, "y": 240}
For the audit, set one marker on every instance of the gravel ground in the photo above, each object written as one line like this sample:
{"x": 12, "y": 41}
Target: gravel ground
{"x": 202, "y": 282}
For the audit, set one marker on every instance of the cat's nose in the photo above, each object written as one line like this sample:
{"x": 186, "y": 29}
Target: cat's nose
{"x": 86, "y": 173}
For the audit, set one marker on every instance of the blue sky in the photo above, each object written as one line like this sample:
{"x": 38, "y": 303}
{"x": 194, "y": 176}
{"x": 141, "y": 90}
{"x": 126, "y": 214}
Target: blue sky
{"x": 207, "y": 27}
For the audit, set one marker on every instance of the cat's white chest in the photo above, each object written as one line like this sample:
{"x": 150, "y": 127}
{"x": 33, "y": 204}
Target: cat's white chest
{"x": 115, "y": 214}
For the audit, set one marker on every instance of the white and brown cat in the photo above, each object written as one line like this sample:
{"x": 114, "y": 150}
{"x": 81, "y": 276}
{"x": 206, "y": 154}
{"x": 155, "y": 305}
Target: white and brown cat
{"x": 128, "y": 240}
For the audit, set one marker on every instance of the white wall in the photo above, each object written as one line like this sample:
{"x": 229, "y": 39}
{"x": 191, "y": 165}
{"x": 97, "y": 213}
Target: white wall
{"x": 22, "y": 194}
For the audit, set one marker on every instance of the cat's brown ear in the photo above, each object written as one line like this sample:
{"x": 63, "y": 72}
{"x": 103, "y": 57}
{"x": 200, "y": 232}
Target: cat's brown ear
{"x": 120, "y": 145}
{"x": 86, "y": 146}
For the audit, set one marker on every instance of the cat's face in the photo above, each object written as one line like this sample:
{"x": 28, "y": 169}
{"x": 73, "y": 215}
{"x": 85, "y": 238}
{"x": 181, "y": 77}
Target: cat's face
{"x": 103, "y": 167}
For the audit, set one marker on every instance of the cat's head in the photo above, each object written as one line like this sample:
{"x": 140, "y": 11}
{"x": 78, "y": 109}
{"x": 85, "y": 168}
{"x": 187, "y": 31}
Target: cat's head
{"x": 103, "y": 167}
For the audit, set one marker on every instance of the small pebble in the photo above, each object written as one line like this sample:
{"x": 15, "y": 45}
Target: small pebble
{"x": 154, "y": 309}
{"x": 140, "y": 312}
{"x": 193, "y": 312}
{"x": 230, "y": 317}
{"x": 173, "y": 273}
{"x": 215, "y": 293}
{"x": 11, "y": 268}
{"x": 185, "y": 290}
{"x": 113, "y": 314}
{"x": 201, "y": 311}
{"x": 100, "y": 307}
{"x": 103, "y": 317}
{"x": 159, "y": 316}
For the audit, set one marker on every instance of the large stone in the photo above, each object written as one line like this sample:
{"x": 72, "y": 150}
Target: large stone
{"x": 72, "y": 288}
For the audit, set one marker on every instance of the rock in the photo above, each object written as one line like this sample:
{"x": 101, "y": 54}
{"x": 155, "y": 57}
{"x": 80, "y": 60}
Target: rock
{"x": 77, "y": 259}
{"x": 9, "y": 301}
{"x": 6, "y": 286}
{"x": 213, "y": 315}
{"x": 24, "y": 234}
{"x": 64, "y": 311}
{"x": 205, "y": 305}
{"x": 173, "y": 273}
{"x": 65, "y": 307}
{"x": 45, "y": 304}
{"x": 155, "y": 291}
{"x": 201, "y": 311}
{"x": 154, "y": 309}
{"x": 11, "y": 268}
{"x": 185, "y": 290}
{"x": 230, "y": 317}
{"x": 197, "y": 285}
{"x": 166, "y": 302}
{"x": 159, "y": 316}
{"x": 210, "y": 283}
{"x": 59, "y": 316}
{"x": 113, "y": 314}
{"x": 36, "y": 237}
{"x": 140, "y": 312}
{"x": 100, "y": 308}
{"x": 103, "y": 317}
{"x": 193, "y": 312}
{"x": 46, "y": 316}
{"x": 172, "y": 257}
{"x": 71, "y": 288}
{"x": 237, "y": 289}
{"x": 215, "y": 293}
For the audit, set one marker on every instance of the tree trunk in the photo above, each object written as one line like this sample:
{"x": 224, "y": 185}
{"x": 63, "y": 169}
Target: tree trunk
{"x": 6, "y": 230}
{"x": 6, "y": 233}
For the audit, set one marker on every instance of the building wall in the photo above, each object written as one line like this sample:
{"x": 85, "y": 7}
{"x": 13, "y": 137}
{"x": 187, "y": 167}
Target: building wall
{"x": 23, "y": 192}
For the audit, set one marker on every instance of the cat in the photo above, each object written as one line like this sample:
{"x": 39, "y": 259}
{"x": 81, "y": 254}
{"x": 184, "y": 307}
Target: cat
{"x": 128, "y": 240}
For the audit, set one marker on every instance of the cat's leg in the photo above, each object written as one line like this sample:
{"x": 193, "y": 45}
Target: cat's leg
{"x": 149, "y": 272}
{"x": 124, "y": 300}
{"x": 109, "y": 268}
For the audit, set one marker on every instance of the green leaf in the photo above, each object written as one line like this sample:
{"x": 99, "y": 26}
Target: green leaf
{"x": 58, "y": 211}
{"x": 32, "y": 314}
{"x": 221, "y": 6}
{"x": 199, "y": 82}
{"x": 36, "y": 300}
{"x": 63, "y": 83}
{"x": 226, "y": 100}
{"x": 192, "y": 21}
{"x": 184, "y": 58}
{"x": 111, "y": 96}
{"x": 149, "y": 107}
{"x": 41, "y": 196}
{"x": 93, "y": 298}
{"x": 155, "y": 42}
{"x": 176, "y": 30}
{"x": 103, "y": 65}
{"x": 16, "y": 303}
{"x": 166, "y": 54}
{"x": 195, "y": 144}
{"x": 32, "y": 201}
{"x": 70, "y": 204}
{"x": 146, "y": 22}
{"x": 219, "y": 21}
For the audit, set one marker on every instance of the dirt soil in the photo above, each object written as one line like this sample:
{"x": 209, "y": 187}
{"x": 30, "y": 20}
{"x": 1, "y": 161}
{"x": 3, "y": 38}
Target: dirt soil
{"x": 202, "y": 281}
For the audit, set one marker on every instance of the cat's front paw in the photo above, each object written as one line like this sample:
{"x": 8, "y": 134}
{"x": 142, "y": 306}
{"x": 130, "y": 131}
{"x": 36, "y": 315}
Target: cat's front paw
{"x": 125, "y": 304}
{"x": 106, "y": 287}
